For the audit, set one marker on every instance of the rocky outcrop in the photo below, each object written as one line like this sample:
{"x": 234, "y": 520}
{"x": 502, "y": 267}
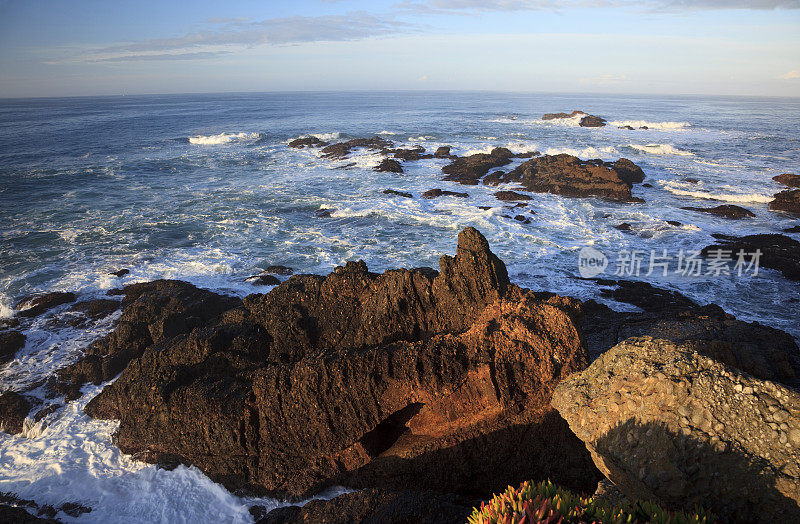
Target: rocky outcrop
{"x": 629, "y": 172}
{"x": 35, "y": 305}
{"x": 375, "y": 506}
{"x": 398, "y": 193}
{"x": 307, "y": 141}
{"x": 511, "y": 196}
{"x": 436, "y": 193}
{"x": 411, "y": 379}
{"x": 468, "y": 170}
{"x": 388, "y": 165}
{"x": 153, "y": 313}
{"x": 787, "y": 201}
{"x": 342, "y": 149}
{"x": 592, "y": 121}
{"x": 788, "y": 179}
{"x": 666, "y": 423}
{"x": 570, "y": 176}
{"x": 408, "y": 154}
{"x": 11, "y": 341}
{"x": 777, "y": 251}
{"x": 555, "y": 116}
{"x": 443, "y": 152}
{"x": 724, "y": 211}
{"x": 13, "y": 410}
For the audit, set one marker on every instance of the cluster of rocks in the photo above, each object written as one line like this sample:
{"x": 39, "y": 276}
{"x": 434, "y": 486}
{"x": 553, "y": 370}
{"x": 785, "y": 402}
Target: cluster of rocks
{"x": 587, "y": 120}
{"x": 787, "y": 201}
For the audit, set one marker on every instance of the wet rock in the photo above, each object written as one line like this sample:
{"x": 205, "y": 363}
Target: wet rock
{"x": 691, "y": 180}
{"x": 787, "y": 201}
{"x": 570, "y": 176}
{"x": 468, "y": 170}
{"x": 264, "y": 279}
{"x": 278, "y": 270}
{"x": 666, "y": 423}
{"x": 629, "y": 172}
{"x": 523, "y": 219}
{"x": 793, "y": 229}
{"x": 342, "y": 149}
{"x": 398, "y": 193}
{"x": 624, "y": 227}
{"x": 629, "y": 128}
{"x": 324, "y": 213}
{"x": 511, "y": 196}
{"x": 35, "y": 305}
{"x": 724, "y": 211}
{"x": 13, "y": 410}
{"x": 10, "y": 342}
{"x": 494, "y": 179}
{"x": 555, "y": 116}
{"x": 674, "y": 223}
{"x": 120, "y": 272}
{"x": 307, "y": 141}
{"x": 443, "y": 152}
{"x": 788, "y": 179}
{"x": 47, "y": 410}
{"x": 18, "y": 515}
{"x": 411, "y": 154}
{"x": 95, "y": 309}
{"x": 777, "y": 251}
{"x": 388, "y": 165}
{"x": 592, "y": 121}
{"x": 643, "y": 127}
{"x": 410, "y": 379}
{"x": 485, "y": 208}
{"x": 152, "y": 313}
{"x": 647, "y": 185}
{"x": 435, "y": 193}
{"x": 376, "y": 506}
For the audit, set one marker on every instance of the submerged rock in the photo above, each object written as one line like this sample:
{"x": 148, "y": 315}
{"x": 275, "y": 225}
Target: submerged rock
{"x": 410, "y": 379}
{"x": 666, "y": 423}
{"x": 724, "y": 211}
{"x": 35, "y": 305}
{"x": 278, "y": 270}
{"x": 787, "y": 201}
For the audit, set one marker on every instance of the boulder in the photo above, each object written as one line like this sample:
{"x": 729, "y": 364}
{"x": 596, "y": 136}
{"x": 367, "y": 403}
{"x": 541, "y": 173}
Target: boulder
{"x": 307, "y": 141}
{"x": 13, "y": 410}
{"x": 278, "y": 270}
{"x": 11, "y": 341}
{"x": 342, "y": 149}
{"x": 624, "y": 227}
{"x": 264, "y": 279}
{"x": 570, "y": 176}
{"x": 511, "y": 196}
{"x": 592, "y": 121}
{"x": 777, "y": 251}
{"x": 788, "y": 179}
{"x": 409, "y": 154}
{"x": 787, "y": 201}
{"x": 468, "y": 170}
{"x": 629, "y": 172}
{"x": 668, "y": 424}
{"x": 410, "y": 379}
{"x": 376, "y": 506}
{"x": 120, "y": 272}
{"x": 555, "y": 116}
{"x": 388, "y": 165}
{"x": 724, "y": 211}
{"x": 35, "y": 305}
{"x": 443, "y": 152}
{"x": 398, "y": 193}
{"x": 435, "y": 193}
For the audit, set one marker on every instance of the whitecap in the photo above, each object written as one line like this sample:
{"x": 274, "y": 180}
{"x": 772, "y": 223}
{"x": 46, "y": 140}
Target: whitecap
{"x": 660, "y": 126}
{"x": 659, "y": 149}
{"x": 697, "y": 191}
{"x": 222, "y": 138}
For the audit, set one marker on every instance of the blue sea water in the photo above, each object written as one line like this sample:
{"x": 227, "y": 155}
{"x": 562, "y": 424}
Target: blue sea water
{"x": 204, "y": 188}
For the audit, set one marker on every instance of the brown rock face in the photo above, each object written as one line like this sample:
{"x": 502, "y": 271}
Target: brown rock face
{"x": 570, "y": 176}
{"x": 443, "y": 152}
{"x": 308, "y": 141}
{"x": 388, "y": 165}
{"x": 788, "y": 179}
{"x": 511, "y": 196}
{"x": 13, "y": 410}
{"x": 35, "y": 305}
{"x": 468, "y": 170}
{"x": 407, "y": 379}
{"x": 666, "y": 423}
{"x": 592, "y": 121}
{"x": 787, "y": 201}
{"x": 724, "y": 211}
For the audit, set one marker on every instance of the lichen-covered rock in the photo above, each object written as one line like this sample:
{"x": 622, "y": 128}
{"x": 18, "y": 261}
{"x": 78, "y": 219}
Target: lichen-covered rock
{"x": 668, "y": 424}
{"x": 407, "y": 379}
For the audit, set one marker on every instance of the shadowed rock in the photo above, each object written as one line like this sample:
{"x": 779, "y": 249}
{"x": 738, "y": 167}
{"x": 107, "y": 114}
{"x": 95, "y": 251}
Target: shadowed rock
{"x": 468, "y": 170}
{"x": 35, "y": 305}
{"x": 724, "y": 211}
{"x": 406, "y": 379}
{"x": 388, "y": 165}
{"x": 10, "y": 342}
{"x": 308, "y": 141}
{"x": 13, "y": 410}
{"x": 787, "y": 201}
{"x": 788, "y": 179}
{"x": 555, "y": 116}
{"x": 435, "y": 193}
{"x": 592, "y": 121}
{"x": 668, "y": 424}
{"x": 511, "y": 196}
{"x": 397, "y": 193}
{"x": 777, "y": 251}
{"x": 443, "y": 152}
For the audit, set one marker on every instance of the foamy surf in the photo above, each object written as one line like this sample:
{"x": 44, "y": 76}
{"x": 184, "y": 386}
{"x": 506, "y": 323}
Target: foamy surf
{"x": 659, "y": 126}
{"x": 659, "y": 149}
{"x": 222, "y": 138}
{"x": 692, "y": 190}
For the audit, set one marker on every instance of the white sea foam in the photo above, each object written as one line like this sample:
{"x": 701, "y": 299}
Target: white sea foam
{"x": 660, "y": 149}
{"x": 660, "y": 126}
{"x": 327, "y": 136}
{"x": 421, "y": 138}
{"x": 222, "y": 138}
{"x": 699, "y": 191}
{"x": 584, "y": 153}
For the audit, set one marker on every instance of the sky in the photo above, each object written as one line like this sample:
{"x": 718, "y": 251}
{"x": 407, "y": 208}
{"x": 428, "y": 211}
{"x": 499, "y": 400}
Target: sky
{"x": 102, "y": 47}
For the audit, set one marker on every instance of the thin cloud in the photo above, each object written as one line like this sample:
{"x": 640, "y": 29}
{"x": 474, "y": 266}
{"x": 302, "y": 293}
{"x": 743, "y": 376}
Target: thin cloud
{"x": 276, "y": 31}
{"x": 791, "y": 75}
{"x": 199, "y": 55}
{"x": 449, "y": 6}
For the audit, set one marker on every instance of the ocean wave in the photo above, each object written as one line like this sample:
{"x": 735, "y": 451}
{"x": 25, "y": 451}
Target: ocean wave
{"x": 422, "y": 138}
{"x": 327, "y": 137}
{"x": 697, "y": 191}
{"x": 222, "y": 138}
{"x": 660, "y": 126}
{"x": 659, "y": 149}
{"x": 586, "y": 152}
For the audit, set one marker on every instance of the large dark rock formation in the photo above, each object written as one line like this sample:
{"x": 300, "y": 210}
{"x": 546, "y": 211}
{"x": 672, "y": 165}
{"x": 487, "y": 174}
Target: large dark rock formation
{"x": 570, "y": 176}
{"x": 724, "y": 211}
{"x": 777, "y": 251}
{"x": 592, "y": 121}
{"x": 407, "y": 379}
{"x": 787, "y": 201}
{"x": 388, "y": 165}
{"x": 469, "y": 169}
{"x": 555, "y": 116}
{"x": 11, "y": 341}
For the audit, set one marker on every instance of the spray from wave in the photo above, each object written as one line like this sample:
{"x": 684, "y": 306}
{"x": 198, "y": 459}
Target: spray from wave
{"x": 222, "y": 138}
{"x": 659, "y": 149}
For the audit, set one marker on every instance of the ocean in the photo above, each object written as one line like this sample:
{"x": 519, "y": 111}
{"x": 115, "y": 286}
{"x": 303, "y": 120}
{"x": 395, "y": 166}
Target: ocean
{"x": 204, "y": 188}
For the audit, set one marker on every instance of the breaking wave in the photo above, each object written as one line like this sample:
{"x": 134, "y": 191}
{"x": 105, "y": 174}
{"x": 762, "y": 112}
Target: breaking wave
{"x": 659, "y": 149}
{"x": 222, "y": 138}
{"x": 661, "y": 126}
